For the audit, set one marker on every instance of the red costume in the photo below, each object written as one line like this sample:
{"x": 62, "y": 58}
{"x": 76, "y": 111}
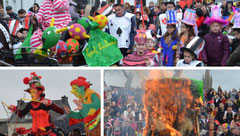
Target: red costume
{"x": 41, "y": 120}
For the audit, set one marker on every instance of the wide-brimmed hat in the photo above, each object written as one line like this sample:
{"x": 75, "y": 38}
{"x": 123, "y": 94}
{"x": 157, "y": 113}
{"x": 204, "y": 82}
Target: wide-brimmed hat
{"x": 34, "y": 83}
{"x": 216, "y": 17}
{"x": 236, "y": 20}
{"x": 195, "y": 46}
{"x": 189, "y": 17}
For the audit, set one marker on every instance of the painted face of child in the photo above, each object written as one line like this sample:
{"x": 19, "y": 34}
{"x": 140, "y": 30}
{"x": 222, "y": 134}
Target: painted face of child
{"x": 188, "y": 57}
{"x": 140, "y": 48}
{"x": 149, "y": 44}
{"x": 34, "y": 94}
{"x": 237, "y": 35}
{"x": 215, "y": 27}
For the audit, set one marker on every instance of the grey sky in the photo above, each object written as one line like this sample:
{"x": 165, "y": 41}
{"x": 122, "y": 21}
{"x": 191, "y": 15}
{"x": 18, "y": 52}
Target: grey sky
{"x": 227, "y": 79}
{"x": 56, "y": 83}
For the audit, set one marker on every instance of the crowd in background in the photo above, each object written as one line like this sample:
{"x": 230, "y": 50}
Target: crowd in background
{"x": 123, "y": 112}
{"x": 220, "y": 114}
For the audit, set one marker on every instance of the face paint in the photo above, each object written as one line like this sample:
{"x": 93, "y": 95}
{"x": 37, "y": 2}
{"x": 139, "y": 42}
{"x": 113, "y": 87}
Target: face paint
{"x": 34, "y": 94}
{"x": 78, "y": 91}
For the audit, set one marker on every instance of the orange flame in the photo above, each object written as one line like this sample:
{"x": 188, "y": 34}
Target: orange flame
{"x": 166, "y": 103}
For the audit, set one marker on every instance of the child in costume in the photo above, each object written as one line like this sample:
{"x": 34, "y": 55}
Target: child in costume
{"x": 151, "y": 46}
{"x": 234, "y": 58}
{"x": 169, "y": 40}
{"x": 58, "y": 9}
{"x": 88, "y": 107}
{"x": 190, "y": 54}
{"x": 142, "y": 56}
{"x": 187, "y": 31}
{"x": 39, "y": 108}
{"x": 217, "y": 49}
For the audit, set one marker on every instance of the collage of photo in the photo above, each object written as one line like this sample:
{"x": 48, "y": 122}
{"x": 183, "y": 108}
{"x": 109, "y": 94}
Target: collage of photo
{"x": 119, "y": 67}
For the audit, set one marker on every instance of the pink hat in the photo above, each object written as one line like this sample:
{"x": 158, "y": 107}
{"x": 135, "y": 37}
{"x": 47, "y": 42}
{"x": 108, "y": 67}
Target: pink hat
{"x": 216, "y": 17}
{"x": 189, "y": 17}
{"x": 141, "y": 37}
{"x": 236, "y": 20}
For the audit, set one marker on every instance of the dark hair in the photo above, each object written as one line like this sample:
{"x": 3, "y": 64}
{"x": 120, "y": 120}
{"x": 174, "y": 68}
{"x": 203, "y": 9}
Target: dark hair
{"x": 115, "y": 5}
{"x": 140, "y": 22}
{"x": 36, "y": 4}
{"x": 176, "y": 35}
{"x": 235, "y": 117}
{"x": 1, "y": 5}
{"x": 20, "y": 11}
{"x": 191, "y": 33}
{"x": 236, "y": 30}
{"x": 163, "y": 3}
{"x": 31, "y": 9}
{"x": 170, "y": 3}
{"x": 199, "y": 12}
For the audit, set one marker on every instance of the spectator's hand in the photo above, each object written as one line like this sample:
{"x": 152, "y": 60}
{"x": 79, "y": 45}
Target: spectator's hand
{"x": 79, "y": 104}
{"x": 129, "y": 51}
{"x": 224, "y": 117}
{"x": 66, "y": 109}
{"x": 147, "y": 61}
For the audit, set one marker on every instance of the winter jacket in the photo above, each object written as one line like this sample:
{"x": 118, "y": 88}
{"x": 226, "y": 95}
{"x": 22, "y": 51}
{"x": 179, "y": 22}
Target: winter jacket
{"x": 216, "y": 50}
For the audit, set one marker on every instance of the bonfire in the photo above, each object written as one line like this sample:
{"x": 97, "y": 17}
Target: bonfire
{"x": 172, "y": 106}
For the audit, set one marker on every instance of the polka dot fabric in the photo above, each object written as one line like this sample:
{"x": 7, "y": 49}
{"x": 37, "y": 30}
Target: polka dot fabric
{"x": 101, "y": 20}
{"x": 72, "y": 46}
{"x": 77, "y": 31}
{"x": 61, "y": 48}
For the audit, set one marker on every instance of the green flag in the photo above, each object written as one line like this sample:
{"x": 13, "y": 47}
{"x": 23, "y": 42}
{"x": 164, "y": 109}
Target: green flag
{"x": 102, "y": 49}
{"x": 26, "y": 43}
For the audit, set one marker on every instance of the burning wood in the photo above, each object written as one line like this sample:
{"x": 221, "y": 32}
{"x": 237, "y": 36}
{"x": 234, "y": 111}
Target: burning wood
{"x": 170, "y": 106}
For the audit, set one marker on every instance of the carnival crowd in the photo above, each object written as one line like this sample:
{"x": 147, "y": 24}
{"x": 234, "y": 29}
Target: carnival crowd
{"x": 123, "y": 112}
{"x": 205, "y": 33}
{"x": 220, "y": 114}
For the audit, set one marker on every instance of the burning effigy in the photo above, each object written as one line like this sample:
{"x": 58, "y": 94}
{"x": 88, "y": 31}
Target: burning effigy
{"x": 171, "y": 106}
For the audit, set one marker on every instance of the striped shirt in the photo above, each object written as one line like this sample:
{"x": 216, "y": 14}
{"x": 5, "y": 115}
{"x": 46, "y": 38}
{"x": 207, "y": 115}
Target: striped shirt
{"x": 58, "y": 9}
{"x": 136, "y": 60}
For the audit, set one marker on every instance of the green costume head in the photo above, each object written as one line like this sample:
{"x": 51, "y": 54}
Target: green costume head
{"x": 50, "y": 38}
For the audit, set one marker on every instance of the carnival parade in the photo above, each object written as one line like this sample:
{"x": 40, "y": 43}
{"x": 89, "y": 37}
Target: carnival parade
{"x": 115, "y": 33}
{"x": 48, "y": 110}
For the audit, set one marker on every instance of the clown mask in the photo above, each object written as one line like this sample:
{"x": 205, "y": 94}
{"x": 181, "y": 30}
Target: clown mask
{"x": 79, "y": 92}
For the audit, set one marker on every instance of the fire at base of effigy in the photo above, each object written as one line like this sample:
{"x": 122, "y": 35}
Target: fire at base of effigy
{"x": 171, "y": 106}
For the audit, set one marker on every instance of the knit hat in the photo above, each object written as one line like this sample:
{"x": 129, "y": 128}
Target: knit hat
{"x": 225, "y": 125}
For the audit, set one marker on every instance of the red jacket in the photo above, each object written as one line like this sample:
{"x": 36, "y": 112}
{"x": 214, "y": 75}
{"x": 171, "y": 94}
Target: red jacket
{"x": 200, "y": 21}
